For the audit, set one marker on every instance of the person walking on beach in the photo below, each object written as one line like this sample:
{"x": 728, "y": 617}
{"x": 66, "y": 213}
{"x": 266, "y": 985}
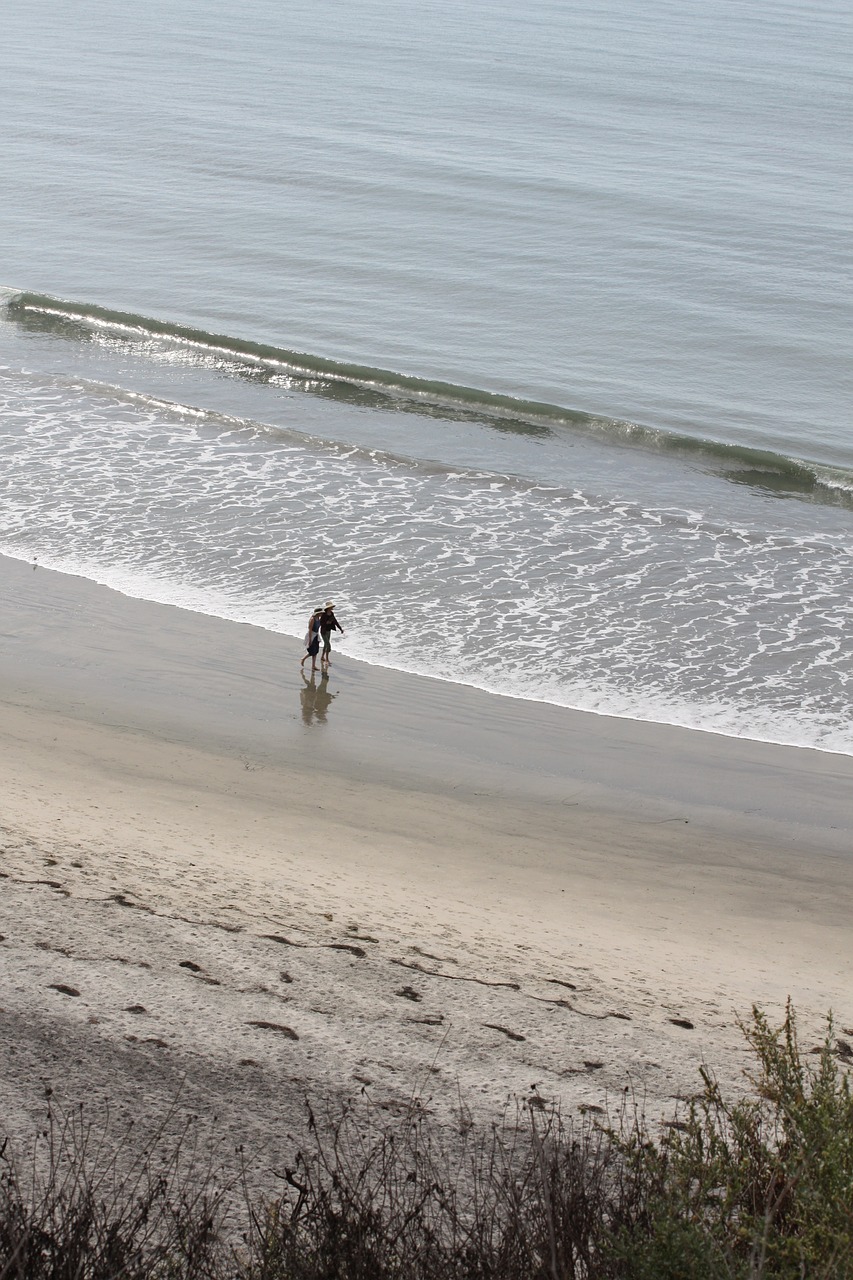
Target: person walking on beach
{"x": 312, "y": 639}
{"x": 328, "y": 624}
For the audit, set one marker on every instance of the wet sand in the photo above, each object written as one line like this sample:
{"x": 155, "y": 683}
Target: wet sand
{"x": 224, "y": 881}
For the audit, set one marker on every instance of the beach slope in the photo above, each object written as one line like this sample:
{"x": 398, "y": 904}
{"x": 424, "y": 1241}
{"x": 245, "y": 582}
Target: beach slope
{"x": 226, "y": 883}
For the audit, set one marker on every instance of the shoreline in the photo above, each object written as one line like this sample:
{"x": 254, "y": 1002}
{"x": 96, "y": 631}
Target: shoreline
{"x": 530, "y": 889}
{"x": 406, "y": 673}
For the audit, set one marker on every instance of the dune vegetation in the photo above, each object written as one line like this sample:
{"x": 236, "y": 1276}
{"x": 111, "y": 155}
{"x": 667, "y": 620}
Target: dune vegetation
{"x": 757, "y": 1186}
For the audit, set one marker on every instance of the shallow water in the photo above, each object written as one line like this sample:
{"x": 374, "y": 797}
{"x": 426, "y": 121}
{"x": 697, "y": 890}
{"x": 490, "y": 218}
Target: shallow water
{"x": 521, "y": 334}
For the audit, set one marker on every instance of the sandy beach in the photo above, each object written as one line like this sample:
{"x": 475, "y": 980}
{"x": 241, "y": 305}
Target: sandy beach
{"x": 226, "y": 884}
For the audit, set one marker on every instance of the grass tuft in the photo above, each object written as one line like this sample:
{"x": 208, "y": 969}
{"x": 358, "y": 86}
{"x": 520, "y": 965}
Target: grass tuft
{"x": 759, "y": 1188}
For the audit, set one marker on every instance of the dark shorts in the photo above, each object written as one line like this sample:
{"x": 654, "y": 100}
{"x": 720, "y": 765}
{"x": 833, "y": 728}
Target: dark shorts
{"x": 314, "y": 647}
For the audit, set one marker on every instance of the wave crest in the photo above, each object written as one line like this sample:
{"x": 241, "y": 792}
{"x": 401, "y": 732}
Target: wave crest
{"x": 767, "y": 470}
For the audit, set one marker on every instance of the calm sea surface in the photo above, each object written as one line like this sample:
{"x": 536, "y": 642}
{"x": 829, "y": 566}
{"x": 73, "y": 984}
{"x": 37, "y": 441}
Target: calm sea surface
{"x": 521, "y": 331}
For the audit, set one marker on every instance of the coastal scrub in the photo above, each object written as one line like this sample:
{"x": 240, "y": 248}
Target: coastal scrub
{"x": 759, "y": 1188}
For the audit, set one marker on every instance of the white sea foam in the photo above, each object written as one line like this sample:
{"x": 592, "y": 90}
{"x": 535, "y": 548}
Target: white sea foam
{"x": 519, "y": 588}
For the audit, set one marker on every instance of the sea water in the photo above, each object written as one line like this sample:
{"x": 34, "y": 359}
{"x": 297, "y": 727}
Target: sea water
{"x": 520, "y": 332}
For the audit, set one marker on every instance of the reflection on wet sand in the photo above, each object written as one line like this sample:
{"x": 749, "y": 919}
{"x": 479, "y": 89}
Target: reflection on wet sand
{"x": 315, "y": 698}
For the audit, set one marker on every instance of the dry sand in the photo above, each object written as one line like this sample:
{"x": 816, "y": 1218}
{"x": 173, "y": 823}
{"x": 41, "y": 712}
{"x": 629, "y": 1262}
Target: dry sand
{"x": 221, "y": 884}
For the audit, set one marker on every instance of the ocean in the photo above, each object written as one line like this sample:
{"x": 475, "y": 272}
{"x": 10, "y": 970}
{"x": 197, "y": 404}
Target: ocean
{"x": 523, "y": 333}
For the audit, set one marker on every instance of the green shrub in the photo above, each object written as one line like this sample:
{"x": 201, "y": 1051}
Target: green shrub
{"x": 759, "y": 1188}
{"x": 762, "y": 1187}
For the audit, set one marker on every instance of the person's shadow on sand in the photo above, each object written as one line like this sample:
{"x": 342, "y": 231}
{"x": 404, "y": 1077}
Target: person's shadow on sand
{"x": 315, "y": 698}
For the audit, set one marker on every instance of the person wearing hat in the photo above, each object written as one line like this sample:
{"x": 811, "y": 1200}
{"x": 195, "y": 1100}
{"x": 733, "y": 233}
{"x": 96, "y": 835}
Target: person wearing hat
{"x": 328, "y": 624}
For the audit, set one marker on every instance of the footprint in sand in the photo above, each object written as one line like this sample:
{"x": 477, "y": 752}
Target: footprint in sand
{"x": 438, "y": 959}
{"x": 511, "y": 1035}
{"x": 288, "y": 1032}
